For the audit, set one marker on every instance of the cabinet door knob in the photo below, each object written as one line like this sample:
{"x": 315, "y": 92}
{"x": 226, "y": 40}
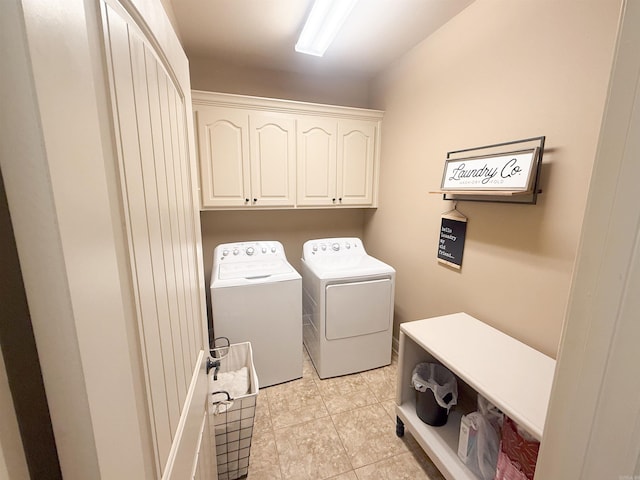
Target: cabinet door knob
{"x": 255, "y": 200}
{"x": 333, "y": 200}
{"x": 246, "y": 200}
{"x": 340, "y": 199}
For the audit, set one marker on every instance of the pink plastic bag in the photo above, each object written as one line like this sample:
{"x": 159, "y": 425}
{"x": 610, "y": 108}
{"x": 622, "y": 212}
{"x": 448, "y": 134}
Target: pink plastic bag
{"x": 518, "y": 453}
{"x": 507, "y": 470}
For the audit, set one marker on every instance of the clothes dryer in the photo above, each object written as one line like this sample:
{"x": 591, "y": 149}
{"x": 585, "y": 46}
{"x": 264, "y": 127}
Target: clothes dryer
{"x": 347, "y": 306}
{"x": 256, "y": 296}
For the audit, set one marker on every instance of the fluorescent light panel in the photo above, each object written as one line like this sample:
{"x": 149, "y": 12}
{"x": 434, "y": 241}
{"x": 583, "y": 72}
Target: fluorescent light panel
{"x": 322, "y": 26}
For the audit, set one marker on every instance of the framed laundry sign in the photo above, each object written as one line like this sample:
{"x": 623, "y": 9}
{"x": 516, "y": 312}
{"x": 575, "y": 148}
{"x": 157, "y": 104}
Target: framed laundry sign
{"x": 453, "y": 230}
{"x": 510, "y": 171}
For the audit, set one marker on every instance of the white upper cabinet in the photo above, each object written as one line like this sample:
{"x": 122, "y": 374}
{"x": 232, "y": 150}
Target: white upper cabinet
{"x": 317, "y": 160}
{"x": 336, "y": 162}
{"x": 273, "y": 159}
{"x": 356, "y": 161}
{"x": 258, "y": 152}
{"x": 246, "y": 158}
{"x": 223, "y": 145}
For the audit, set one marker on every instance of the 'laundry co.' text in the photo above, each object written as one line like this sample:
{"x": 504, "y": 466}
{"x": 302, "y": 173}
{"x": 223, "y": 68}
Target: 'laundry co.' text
{"x": 485, "y": 173}
{"x": 506, "y": 171}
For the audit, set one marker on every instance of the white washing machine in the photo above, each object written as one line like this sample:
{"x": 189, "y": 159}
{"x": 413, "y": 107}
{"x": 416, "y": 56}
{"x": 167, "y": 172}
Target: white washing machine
{"x": 256, "y": 296}
{"x": 347, "y": 306}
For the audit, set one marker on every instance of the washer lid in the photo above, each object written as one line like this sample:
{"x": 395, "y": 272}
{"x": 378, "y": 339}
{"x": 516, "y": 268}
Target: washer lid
{"x": 254, "y": 269}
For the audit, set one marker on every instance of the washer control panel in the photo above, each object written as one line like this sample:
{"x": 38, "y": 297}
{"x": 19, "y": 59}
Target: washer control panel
{"x": 248, "y": 251}
{"x": 330, "y": 247}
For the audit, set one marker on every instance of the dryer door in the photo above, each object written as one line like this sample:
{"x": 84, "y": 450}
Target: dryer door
{"x": 358, "y": 308}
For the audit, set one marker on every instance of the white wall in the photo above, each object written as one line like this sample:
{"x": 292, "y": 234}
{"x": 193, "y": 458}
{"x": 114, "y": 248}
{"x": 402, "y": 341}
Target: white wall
{"x": 498, "y": 71}
{"x": 216, "y": 75}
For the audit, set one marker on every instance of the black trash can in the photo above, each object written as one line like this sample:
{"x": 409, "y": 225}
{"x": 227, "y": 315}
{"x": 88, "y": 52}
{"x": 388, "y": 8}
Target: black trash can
{"x": 436, "y": 392}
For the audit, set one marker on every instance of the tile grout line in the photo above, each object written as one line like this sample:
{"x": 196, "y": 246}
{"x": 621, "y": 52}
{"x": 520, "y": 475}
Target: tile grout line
{"x": 273, "y": 432}
{"x": 344, "y": 448}
{"x": 332, "y": 422}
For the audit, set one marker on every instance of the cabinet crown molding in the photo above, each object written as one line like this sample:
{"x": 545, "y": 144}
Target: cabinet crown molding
{"x": 200, "y": 97}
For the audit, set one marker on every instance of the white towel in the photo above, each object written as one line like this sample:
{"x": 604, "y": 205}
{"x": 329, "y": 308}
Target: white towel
{"x": 235, "y": 382}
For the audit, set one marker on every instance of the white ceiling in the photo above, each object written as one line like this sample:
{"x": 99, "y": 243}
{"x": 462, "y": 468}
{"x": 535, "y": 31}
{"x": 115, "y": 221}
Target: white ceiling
{"x": 262, "y": 33}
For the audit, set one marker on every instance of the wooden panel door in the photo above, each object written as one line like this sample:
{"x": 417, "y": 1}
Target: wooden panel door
{"x": 273, "y": 159}
{"x": 101, "y": 189}
{"x": 150, "y": 112}
{"x": 316, "y": 139}
{"x": 356, "y": 161}
{"x": 592, "y": 429}
{"x": 223, "y": 135}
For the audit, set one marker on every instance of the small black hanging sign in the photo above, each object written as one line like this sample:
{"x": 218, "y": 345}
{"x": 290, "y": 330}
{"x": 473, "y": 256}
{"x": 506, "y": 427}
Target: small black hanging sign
{"x": 452, "y": 233}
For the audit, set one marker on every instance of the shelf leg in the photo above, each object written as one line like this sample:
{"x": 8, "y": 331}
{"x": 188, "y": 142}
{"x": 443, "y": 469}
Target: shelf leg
{"x": 399, "y": 427}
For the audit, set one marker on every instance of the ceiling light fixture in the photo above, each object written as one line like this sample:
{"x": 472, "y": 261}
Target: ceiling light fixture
{"x": 322, "y": 25}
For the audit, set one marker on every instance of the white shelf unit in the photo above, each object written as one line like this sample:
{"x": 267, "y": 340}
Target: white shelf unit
{"x": 511, "y": 375}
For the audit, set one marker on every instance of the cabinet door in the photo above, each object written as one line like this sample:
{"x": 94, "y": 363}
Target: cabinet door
{"x": 223, "y": 140}
{"x": 316, "y": 161}
{"x": 273, "y": 159}
{"x": 356, "y": 162}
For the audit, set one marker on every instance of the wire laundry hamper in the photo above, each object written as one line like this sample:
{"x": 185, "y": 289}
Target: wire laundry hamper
{"x": 233, "y": 417}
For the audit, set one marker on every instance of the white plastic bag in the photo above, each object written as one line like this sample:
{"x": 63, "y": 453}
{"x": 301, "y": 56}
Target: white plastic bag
{"x": 479, "y": 444}
{"x": 493, "y": 413}
{"x": 482, "y": 453}
{"x": 437, "y": 379}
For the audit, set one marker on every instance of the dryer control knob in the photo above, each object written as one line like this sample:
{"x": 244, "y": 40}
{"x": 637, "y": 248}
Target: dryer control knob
{"x": 347, "y": 246}
{"x": 236, "y": 251}
{"x": 250, "y": 251}
{"x": 273, "y": 249}
{"x": 336, "y": 247}
{"x": 323, "y": 247}
{"x": 225, "y": 253}
{"x": 264, "y": 249}
{"x": 315, "y": 248}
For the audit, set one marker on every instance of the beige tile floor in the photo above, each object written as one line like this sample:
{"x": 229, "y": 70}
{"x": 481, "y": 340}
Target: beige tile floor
{"x": 340, "y": 428}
